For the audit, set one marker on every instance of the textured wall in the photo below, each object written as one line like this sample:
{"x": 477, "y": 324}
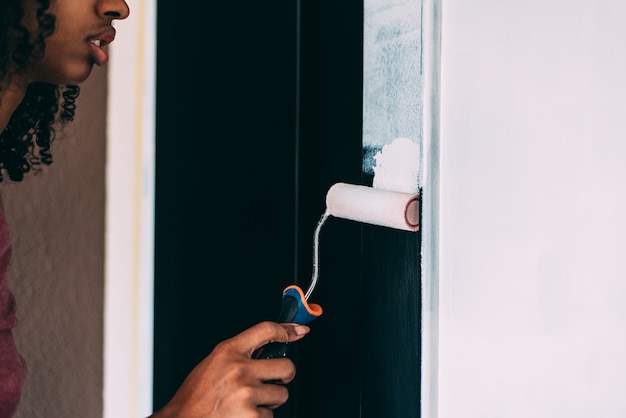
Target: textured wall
{"x": 57, "y": 224}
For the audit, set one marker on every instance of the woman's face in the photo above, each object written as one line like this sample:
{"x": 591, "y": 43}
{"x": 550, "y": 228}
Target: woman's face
{"x": 82, "y": 29}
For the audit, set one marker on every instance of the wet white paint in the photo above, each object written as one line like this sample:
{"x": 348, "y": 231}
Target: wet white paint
{"x": 398, "y": 166}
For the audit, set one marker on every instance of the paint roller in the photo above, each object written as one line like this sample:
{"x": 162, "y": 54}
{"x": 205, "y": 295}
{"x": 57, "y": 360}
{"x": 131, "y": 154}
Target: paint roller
{"x": 374, "y": 206}
{"x": 392, "y": 209}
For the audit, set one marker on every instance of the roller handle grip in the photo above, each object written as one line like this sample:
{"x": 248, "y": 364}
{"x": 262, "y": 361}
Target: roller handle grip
{"x": 293, "y": 309}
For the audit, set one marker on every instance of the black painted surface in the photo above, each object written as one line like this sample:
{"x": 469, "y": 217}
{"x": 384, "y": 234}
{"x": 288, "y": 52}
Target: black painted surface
{"x": 330, "y": 151}
{"x": 242, "y": 175}
{"x": 391, "y": 338}
{"x": 225, "y": 175}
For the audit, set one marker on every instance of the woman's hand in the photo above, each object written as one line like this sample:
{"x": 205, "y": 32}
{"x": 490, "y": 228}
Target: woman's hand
{"x": 229, "y": 383}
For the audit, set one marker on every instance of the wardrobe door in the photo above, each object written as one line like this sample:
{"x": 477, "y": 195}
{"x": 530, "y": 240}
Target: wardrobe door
{"x": 225, "y": 175}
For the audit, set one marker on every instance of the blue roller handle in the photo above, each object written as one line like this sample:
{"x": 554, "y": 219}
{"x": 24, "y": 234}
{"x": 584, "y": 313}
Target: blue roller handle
{"x": 293, "y": 309}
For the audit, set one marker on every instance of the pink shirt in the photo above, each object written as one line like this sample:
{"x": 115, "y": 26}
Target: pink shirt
{"x": 12, "y": 365}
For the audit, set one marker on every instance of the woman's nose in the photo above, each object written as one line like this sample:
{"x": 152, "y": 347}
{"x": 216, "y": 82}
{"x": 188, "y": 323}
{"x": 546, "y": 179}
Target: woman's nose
{"x": 114, "y": 9}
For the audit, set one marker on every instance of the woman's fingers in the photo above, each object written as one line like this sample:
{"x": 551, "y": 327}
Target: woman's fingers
{"x": 264, "y": 333}
{"x": 230, "y": 383}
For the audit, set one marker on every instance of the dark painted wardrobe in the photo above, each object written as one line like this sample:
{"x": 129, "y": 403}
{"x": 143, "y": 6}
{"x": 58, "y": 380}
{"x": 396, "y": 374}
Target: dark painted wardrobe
{"x": 258, "y": 113}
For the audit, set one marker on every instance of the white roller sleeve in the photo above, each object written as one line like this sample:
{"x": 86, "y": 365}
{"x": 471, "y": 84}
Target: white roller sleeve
{"x": 374, "y": 206}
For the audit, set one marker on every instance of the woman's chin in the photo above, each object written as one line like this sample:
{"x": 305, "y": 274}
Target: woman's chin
{"x": 78, "y": 77}
{"x": 64, "y": 76}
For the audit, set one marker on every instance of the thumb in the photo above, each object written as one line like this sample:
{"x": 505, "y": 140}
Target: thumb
{"x": 267, "y": 332}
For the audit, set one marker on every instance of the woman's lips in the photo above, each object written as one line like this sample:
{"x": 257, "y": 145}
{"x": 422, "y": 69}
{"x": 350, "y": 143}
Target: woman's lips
{"x": 97, "y": 44}
{"x": 99, "y": 55}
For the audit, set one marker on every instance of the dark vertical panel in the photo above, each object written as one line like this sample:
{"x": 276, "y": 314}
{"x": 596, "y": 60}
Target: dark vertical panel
{"x": 225, "y": 181}
{"x": 390, "y": 352}
{"x": 330, "y": 151}
{"x": 362, "y": 358}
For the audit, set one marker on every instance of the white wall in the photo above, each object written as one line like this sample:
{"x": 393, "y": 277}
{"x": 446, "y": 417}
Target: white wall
{"x": 532, "y": 279}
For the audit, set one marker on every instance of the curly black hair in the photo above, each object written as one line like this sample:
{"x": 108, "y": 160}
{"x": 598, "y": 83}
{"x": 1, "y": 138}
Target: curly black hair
{"x": 25, "y": 142}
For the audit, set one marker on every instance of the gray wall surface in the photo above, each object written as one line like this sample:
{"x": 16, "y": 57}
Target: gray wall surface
{"x": 56, "y": 220}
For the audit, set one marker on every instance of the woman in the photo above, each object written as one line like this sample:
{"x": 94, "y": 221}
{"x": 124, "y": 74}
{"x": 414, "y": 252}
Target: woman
{"x": 47, "y": 47}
